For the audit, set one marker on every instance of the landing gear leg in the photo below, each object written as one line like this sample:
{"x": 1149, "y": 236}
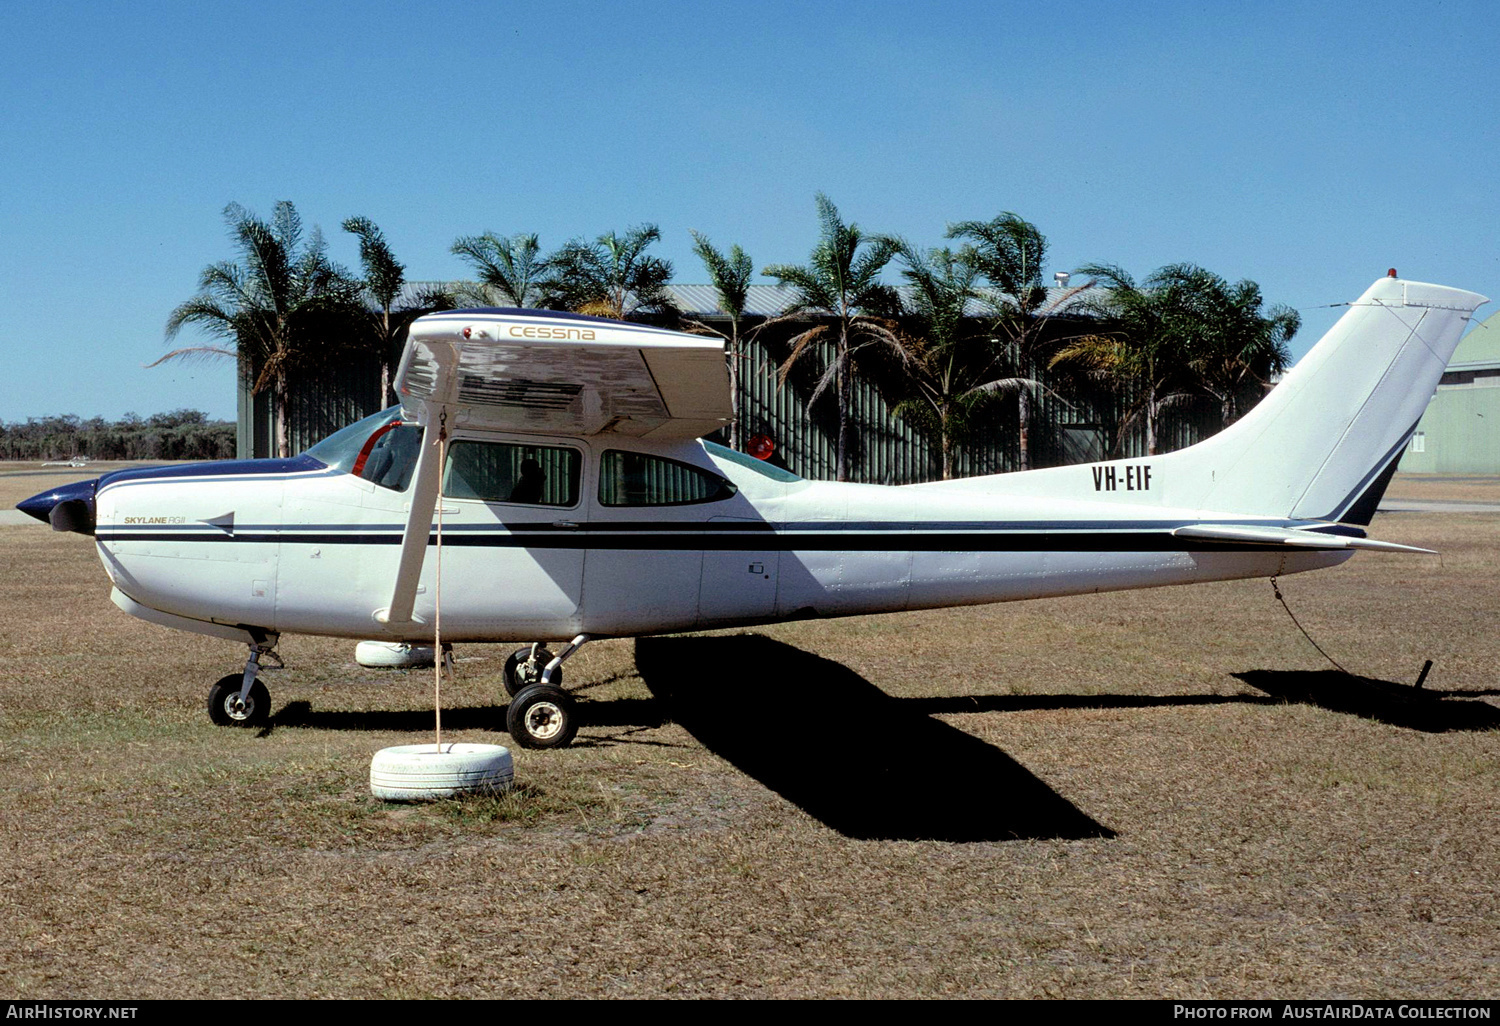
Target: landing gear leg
{"x": 542, "y": 714}
{"x": 524, "y": 666}
{"x": 552, "y": 674}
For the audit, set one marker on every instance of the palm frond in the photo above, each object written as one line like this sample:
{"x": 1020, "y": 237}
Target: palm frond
{"x": 800, "y": 344}
{"x": 384, "y": 274}
{"x": 829, "y": 376}
{"x": 730, "y": 276}
{"x": 192, "y": 352}
{"x": 205, "y": 312}
{"x": 694, "y": 327}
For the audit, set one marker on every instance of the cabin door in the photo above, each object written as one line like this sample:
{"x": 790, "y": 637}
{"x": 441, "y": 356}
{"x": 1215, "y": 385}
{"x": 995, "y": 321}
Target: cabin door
{"x": 514, "y": 546}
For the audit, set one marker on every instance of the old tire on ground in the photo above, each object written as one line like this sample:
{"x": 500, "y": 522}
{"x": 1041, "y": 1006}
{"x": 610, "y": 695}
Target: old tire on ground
{"x": 223, "y": 706}
{"x": 541, "y": 716}
{"x": 410, "y": 773}
{"x": 393, "y": 654}
{"x": 519, "y": 676}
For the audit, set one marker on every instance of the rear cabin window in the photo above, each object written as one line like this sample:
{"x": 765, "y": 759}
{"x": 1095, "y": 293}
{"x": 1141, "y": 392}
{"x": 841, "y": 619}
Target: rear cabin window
{"x": 635, "y": 479}
{"x": 533, "y": 475}
{"x": 744, "y": 459}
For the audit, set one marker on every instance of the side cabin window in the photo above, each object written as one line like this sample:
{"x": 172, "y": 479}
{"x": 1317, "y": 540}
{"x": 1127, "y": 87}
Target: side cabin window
{"x": 533, "y": 475}
{"x": 636, "y": 479}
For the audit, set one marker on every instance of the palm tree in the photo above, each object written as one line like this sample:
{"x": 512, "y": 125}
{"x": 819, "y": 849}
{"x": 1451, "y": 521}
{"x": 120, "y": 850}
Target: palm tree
{"x": 953, "y": 368}
{"x": 284, "y": 307}
{"x": 1243, "y": 348}
{"x": 611, "y": 276}
{"x": 387, "y": 326}
{"x": 1010, "y": 253}
{"x": 1138, "y": 355}
{"x": 840, "y": 282}
{"x": 509, "y": 268}
{"x": 730, "y": 276}
{"x": 1181, "y": 333}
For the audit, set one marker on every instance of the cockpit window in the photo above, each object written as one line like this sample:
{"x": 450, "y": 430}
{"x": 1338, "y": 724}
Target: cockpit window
{"x": 380, "y": 449}
{"x": 340, "y": 449}
{"x": 389, "y": 457}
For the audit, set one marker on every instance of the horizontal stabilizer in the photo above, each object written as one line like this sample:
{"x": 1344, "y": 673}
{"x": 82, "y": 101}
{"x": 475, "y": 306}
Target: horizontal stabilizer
{"x": 1250, "y": 536}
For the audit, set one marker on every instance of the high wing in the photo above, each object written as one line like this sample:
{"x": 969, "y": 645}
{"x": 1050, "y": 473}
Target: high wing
{"x": 542, "y": 372}
{"x": 537, "y": 371}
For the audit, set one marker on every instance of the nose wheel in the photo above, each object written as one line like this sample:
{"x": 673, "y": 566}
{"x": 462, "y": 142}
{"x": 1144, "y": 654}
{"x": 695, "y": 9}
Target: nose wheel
{"x": 240, "y": 699}
{"x": 227, "y": 709}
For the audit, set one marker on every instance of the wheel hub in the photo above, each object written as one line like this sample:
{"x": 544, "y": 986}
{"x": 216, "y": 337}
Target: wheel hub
{"x": 544, "y": 720}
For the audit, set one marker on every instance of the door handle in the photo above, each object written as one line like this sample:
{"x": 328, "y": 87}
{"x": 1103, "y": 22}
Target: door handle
{"x": 571, "y": 525}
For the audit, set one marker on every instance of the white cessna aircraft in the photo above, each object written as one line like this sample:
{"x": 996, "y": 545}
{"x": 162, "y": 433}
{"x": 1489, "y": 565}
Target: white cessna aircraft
{"x": 560, "y": 456}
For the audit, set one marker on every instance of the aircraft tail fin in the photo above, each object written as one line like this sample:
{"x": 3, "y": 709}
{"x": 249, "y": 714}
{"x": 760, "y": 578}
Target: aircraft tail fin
{"x": 1325, "y": 442}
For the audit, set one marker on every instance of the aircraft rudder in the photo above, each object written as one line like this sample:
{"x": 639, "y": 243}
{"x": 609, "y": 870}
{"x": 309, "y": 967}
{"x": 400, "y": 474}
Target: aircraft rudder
{"x": 1319, "y": 443}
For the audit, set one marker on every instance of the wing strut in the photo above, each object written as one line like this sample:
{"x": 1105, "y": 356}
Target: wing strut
{"x": 426, "y": 484}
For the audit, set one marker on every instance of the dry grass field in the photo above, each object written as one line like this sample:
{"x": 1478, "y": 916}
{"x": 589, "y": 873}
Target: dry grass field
{"x": 1164, "y": 793}
{"x": 1444, "y": 488}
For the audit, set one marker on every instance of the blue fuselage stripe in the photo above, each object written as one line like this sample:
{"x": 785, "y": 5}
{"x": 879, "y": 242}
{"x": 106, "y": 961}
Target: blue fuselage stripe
{"x": 805, "y": 539}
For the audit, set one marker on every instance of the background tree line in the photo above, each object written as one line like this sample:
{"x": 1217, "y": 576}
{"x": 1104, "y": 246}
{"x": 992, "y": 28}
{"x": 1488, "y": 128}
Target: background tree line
{"x": 179, "y": 435}
{"x": 971, "y": 330}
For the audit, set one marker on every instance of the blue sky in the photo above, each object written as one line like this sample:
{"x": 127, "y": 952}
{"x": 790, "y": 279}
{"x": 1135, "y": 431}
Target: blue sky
{"x": 1305, "y": 146}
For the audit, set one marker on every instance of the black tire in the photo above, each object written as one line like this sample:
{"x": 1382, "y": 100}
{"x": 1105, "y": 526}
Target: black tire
{"x": 541, "y": 716}
{"x": 521, "y": 674}
{"x": 222, "y": 703}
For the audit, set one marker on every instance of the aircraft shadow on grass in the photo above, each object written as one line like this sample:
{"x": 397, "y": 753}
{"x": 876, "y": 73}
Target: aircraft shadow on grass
{"x": 640, "y": 713}
{"x": 865, "y": 764}
{"x": 871, "y": 766}
{"x": 1399, "y": 705}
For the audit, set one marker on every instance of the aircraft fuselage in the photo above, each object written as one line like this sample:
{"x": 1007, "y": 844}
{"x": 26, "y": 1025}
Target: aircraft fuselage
{"x": 296, "y": 546}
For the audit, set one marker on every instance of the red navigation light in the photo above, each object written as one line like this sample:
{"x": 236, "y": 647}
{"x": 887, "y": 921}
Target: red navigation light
{"x": 1391, "y": 273}
{"x": 761, "y": 447}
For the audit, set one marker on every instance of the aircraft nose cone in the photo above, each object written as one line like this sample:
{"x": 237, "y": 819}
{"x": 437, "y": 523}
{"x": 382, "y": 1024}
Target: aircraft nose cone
{"x": 69, "y": 508}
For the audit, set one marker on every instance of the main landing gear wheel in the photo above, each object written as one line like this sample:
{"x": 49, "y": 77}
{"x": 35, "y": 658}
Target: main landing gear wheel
{"x": 224, "y": 706}
{"x": 520, "y": 672}
{"x": 541, "y": 716}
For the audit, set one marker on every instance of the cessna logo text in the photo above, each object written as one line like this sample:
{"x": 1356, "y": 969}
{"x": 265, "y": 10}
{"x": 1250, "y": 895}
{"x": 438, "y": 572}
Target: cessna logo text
{"x": 543, "y": 331}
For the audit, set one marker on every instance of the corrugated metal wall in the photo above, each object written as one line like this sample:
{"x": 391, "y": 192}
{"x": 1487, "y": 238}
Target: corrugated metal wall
{"x": 1075, "y": 425}
{"x": 323, "y": 401}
